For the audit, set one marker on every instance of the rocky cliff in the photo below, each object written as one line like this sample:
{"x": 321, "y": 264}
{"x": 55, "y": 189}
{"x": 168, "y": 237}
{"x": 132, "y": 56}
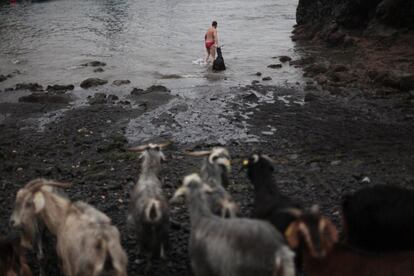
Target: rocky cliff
{"x": 324, "y": 18}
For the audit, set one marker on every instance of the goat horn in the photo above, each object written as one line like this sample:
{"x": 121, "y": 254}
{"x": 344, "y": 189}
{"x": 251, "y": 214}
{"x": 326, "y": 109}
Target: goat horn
{"x": 198, "y": 153}
{"x": 293, "y": 211}
{"x": 139, "y": 148}
{"x": 38, "y": 183}
{"x": 164, "y": 145}
{"x": 270, "y": 159}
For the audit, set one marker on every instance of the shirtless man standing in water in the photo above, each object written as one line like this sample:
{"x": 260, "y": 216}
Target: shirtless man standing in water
{"x": 211, "y": 41}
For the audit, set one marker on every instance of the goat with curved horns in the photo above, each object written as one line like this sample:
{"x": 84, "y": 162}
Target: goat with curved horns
{"x": 87, "y": 242}
{"x": 316, "y": 237}
{"x": 149, "y": 211}
{"x": 233, "y": 246}
{"x": 215, "y": 171}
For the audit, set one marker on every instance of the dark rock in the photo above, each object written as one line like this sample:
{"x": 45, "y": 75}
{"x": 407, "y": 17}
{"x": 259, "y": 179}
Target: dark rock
{"x": 9, "y": 89}
{"x": 311, "y": 97}
{"x": 121, "y": 82}
{"x": 91, "y": 82}
{"x": 124, "y": 102}
{"x": 335, "y": 38}
{"x": 95, "y": 63}
{"x": 339, "y": 68}
{"x": 45, "y": 98}
{"x": 258, "y": 74}
{"x": 58, "y": 87}
{"x": 275, "y": 66}
{"x": 29, "y": 86}
{"x": 157, "y": 88}
{"x": 113, "y": 98}
{"x": 340, "y": 76}
{"x": 251, "y": 97}
{"x": 98, "y": 98}
{"x": 284, "y": 59}
{"x": 310, "y": 87}
{"x": 3, "y": 78}
{"x": 99, "y": 70}
{"x": 266, "y": 79}
{"x": 302, "y": 61}
{"x": 315, "y": 69}
{"x": 137, "y": 91}
{"x": 255, "y": 82}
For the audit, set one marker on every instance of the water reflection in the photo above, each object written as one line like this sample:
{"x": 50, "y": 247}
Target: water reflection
{"x": 142, "y": 40}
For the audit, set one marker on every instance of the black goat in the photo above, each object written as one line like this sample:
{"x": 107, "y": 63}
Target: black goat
{"x": 316, "y": 237}
{"x": 269, "y": 203}
{"x": 218, "y": 64}
{"x": 149, "y": 210}
{"x": 380, "y": 218}
{"x": 233, "y": 246}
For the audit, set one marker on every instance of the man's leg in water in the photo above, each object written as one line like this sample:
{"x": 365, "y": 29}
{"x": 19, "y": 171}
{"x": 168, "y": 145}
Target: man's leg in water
{"x": 208, "y": 54}
{"x": 213, "y": 52}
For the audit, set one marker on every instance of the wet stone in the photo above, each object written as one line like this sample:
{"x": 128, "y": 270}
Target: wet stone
{"x": 258, "y": 74}
{"x": 266, "y": 79}
{"x": 157, "y": 88}
{"x": 121, "y": 82}
{"x": 95, "y": 63}
{"x": 29, "y": 86}
{"x": 137, "y": 91}
{"x": 275, "y": 66}
{"x": 60, "y": 88}
{"x": 91, "y": 82}
{"x": 284, "y": 59}
{"x": 99, "y": 70}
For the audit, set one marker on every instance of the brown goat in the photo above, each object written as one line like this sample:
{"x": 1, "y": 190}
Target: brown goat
{"x": 87, "y": 243}
{"x": 12, "y": 257}
{"x": 317, "y": 237}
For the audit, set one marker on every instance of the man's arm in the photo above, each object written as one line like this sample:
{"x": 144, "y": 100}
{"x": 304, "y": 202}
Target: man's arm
{"x": 215, "y": 37}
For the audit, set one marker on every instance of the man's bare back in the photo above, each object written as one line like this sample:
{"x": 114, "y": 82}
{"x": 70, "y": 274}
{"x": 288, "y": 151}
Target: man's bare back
{"x": 211, "y": 41}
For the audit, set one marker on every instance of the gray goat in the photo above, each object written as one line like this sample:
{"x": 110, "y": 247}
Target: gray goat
{"x": 233, "y": 246}
{"x": 215, "y": 171}
{"x": 149, "y": 210}
{"x": 87, "y": 243}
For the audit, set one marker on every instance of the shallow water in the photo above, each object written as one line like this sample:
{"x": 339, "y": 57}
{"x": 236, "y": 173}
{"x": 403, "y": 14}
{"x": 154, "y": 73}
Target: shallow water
{"x": 147, "y": 42}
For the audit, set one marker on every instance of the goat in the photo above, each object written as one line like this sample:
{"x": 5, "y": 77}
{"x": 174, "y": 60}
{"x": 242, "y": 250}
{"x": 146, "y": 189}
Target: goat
{"x": 149, "y": 210}
{"x": 34, "y": 235}
{"x": 87, "y": 243}
{"x": 232, "y": 246}
{"x": 316, "y": 237}
{"x": 379, "y": 218}
{"x": 214, "y": 171}
{"x": 12, "y": 258}
{"x": 269, "y": 203}
{"x": 218, "y": 64}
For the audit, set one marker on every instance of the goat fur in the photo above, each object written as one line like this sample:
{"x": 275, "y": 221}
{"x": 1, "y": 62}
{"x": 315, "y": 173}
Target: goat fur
{"x": 380, "y": 218}
{"x": 149, "y": 209}
{"x": 233, "y": 246}
{"x": 79, "y": 228}
{"x": 317, "y": 239}
{"x": 269, "y": 203}
{"x": 12, "y": 257}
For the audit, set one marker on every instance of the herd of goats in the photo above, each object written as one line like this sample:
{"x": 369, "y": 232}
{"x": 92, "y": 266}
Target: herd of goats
{"x": 280, "y": 239}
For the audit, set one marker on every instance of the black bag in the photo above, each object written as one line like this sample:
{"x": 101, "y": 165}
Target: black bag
{"x": 218, "y": 64}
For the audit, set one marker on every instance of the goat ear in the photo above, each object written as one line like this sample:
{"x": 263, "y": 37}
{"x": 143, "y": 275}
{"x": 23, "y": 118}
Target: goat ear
{"x": 206, "y": 188}
{"x": 331, "y": 231}
{"x": 139, "y": 148}
{"x": 39, "y": 202}
{"x": 292, "y": 234}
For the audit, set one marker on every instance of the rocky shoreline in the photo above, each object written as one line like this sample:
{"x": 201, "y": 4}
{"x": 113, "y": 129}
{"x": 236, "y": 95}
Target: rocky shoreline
{"x": 351, "y": 126}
